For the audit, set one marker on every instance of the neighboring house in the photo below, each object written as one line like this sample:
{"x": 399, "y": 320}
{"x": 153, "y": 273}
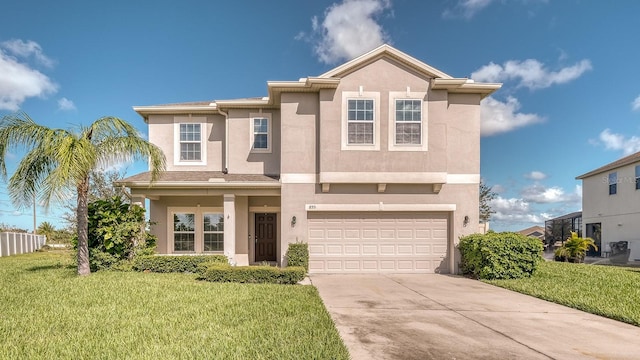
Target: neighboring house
{"x": 611, "y": 205}
{"x": 534, "y": 231}
{"x": 375, "y": 164}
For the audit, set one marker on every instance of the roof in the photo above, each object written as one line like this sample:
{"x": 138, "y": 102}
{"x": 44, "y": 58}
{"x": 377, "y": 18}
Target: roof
{"x": 532, "y": 230}
{"x": 328, "y": 80}
{"x": 568, "y": 216}
{"x": 633, "y": 158}
{"x": 200, "y": 179}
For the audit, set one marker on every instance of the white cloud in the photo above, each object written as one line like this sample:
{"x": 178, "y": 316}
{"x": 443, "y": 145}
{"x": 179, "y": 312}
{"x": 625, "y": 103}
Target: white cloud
{"x": 26, "y": 49}
{"x": 612, "y": 141}
{"x": 514, "y": 210}
{"x": 530, "y": 73}
{"x": 466, "y": 8}
{"x": 18, "y": 81}
{"x": 541, "y": 194}
{"x": 498, "y": 117}
{"x": 635, "y": 105}
{"x": 65, "y": 104}
{"x": 349, "y": 29}
{"x": 536, "y": 175}
{"x": 498, "y": 189}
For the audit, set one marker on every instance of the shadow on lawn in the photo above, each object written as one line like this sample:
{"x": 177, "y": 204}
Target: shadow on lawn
{"x": 50, "y": 267}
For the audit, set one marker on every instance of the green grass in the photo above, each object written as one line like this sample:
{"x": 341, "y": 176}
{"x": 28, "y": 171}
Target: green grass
{"x": 47, "y": 312}
{"x": 609, "y": 291}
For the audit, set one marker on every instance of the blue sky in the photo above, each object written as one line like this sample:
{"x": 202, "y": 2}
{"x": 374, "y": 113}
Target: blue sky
{"x": 569, "y": 103}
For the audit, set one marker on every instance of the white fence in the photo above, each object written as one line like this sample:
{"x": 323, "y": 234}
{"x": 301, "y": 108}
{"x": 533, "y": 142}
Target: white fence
{"x": 20, "y": 243}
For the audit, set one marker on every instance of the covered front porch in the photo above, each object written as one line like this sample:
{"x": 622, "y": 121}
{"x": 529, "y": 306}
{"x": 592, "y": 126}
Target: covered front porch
{"x": 234, "y": 215}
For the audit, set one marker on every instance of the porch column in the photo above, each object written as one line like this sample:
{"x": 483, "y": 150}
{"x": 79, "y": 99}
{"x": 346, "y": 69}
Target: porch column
{"x": 230, "y": 227}
{"x": 138, "y": 200}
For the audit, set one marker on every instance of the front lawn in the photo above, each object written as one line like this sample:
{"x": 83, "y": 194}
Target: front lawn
{"x": 47, "y": 312}
{"x": 609, "y": 291}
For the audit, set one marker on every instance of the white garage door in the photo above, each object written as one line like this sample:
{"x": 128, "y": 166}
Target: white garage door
{"x": 377, "y": 242}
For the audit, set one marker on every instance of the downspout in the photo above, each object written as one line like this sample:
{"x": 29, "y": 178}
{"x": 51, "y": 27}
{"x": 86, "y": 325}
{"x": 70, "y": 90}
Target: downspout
{"x": 225, "y": 167}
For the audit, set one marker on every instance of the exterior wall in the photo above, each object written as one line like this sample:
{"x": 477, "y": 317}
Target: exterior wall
{"x": 383, "y": 77}
{"x": 307, "y": 142}
{"x": 161, "y": 133}
{"x": 617, "y": 213}
{"x": 241, "y": 159}
{"x": 453, "y": 129}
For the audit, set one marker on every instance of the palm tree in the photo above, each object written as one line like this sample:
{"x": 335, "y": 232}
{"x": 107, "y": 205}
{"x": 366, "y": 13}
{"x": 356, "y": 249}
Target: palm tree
{"x": 58, "y": 161}
{"x": 575, "y": 248}
{"x": 46, "y": 229}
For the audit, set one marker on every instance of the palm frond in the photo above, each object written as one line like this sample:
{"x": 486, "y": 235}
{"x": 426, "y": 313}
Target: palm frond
{"x": 114, "y": 150}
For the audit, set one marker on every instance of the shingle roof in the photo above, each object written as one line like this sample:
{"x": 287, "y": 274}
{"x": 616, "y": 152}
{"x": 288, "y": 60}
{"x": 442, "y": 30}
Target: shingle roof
{"x": 200, "y": 176}
{"x": 614, "y": 165}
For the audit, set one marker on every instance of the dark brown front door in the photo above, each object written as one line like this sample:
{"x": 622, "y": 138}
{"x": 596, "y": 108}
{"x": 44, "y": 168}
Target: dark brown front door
{"x": 265, "y": 237}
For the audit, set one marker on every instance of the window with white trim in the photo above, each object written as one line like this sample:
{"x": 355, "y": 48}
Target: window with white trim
{"x": 184, "y": 232}
{"x": 408, "y": 126}
{"x": 196, "y": 230}
{"x": 637, "y": 177}
{"x": 260, "y": 132}
{"x": 190, "y": 142}
{"x": 408, "y": 121}
{"x": 213, "y": 226}
{"x": 360, "y": 121}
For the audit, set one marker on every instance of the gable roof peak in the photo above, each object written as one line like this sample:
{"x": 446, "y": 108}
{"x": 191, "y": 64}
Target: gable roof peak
{"x": 385, "y": 50}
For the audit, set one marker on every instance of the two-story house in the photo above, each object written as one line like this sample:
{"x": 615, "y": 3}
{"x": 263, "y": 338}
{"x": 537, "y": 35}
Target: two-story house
{"x": 375, "y": 164}
{"x": 611, "y": 205}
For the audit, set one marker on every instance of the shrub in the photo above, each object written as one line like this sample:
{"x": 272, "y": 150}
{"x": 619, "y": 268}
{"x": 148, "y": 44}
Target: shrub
{"x": 116, "y": 233}
{"x": 298, "y": 255}
{"x": 252, "y": 274}
{"x": 499, "y": 255}
{"x": 169, "y": 264}
{"x": 574, "y": 249}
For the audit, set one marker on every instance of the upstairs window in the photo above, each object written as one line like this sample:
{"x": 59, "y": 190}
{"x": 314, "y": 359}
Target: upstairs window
{"x": 408, "y": 122}
{"x": 260, "y": 132}
{"x": 190, "y": 142}
{"x": 638, "y": 177}
{"x": 613, "y": 183}
{"x": 360, "y": 122}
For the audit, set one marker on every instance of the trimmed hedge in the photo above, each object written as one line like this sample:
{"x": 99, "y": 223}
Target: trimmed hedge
{"x": 251, "y": 274}
{"x": 298, "y": 255}
{"x": 172, "y": 263}
{"x": 495, "y": 255}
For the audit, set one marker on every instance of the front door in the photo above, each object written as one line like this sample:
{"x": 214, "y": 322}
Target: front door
{"x": 265, "y": 237}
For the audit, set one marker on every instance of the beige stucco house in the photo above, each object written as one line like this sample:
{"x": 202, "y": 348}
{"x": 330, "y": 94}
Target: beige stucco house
{"x": 375, "y": 164}
{"x": 611, "y": 205}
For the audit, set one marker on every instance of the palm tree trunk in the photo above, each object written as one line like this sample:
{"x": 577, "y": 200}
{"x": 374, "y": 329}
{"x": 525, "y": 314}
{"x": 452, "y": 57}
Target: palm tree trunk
{"x": 83, "y": 228}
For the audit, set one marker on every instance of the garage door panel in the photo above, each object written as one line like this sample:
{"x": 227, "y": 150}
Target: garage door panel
{"x": 377, "y": 242}
{"x": 387, "y": 249}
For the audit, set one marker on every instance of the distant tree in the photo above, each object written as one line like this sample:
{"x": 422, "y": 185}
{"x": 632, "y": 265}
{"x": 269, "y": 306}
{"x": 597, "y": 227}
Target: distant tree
{"x": 46, "y": 229}
{"x": 486, "y": 195}
{"x": 11, "y": 228}
{"x": 59, "y": 161}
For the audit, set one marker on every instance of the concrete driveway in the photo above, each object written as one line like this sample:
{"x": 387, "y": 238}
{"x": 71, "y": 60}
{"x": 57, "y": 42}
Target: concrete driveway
{"x": 451, "y": 317}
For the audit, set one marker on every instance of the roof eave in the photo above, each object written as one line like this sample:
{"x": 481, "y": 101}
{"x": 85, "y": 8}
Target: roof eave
{"x": 465, "y": 86}
{"x": 201, "y": 184}
{"x": 393, "y": 53}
